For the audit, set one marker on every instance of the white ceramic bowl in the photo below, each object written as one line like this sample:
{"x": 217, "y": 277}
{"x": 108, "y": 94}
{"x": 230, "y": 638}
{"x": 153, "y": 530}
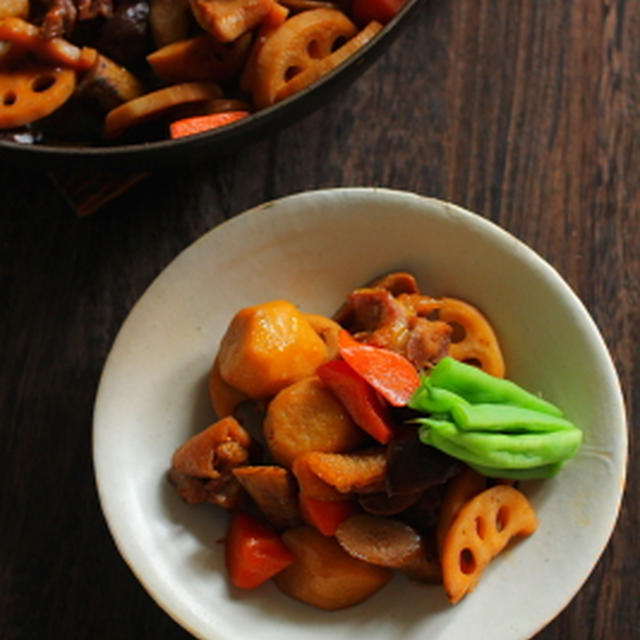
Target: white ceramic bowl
{"x": 312, "y": 249}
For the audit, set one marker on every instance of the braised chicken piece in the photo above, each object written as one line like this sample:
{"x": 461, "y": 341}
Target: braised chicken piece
{"x": 202, "y": 468}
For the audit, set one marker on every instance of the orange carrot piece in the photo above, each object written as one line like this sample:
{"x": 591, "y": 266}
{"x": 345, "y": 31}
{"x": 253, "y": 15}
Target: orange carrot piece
{"x": 481, "y": 530}
{"x": 326, "y": 515}
{"x": 254, "y": 553}
{"x": 359, "y": 398}
{"x": 198, "y": 124}
{"x": 389, "y": 373}
{"x": 381, "y": 10}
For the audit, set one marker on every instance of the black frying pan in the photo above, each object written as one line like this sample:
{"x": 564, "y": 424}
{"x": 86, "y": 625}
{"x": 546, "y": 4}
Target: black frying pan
{"x": 220, "y": 141}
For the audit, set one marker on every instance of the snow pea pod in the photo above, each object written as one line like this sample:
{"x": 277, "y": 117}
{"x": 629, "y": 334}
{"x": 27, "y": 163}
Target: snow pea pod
{"x": 500, "y": 450}
{"x": 505, "y": 418}
{"x": 430, "y": 399}
{"x": 478, "y": 387}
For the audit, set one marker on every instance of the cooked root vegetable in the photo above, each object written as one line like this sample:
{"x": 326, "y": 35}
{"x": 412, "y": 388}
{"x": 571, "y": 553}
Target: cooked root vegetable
{"x": 326, "y": 515}
{"x": 229, "y": 19}
{"x": 170, "y": 21}
{"x": 31, "y": 92}
{"x": 329, "y": 330}
{"x": 457, "y": 493}
{"x": 323, "y": 66}
{"x": 381, "y": 10}
{"x": 478, "y": 342}
{"x": 306, "y": 416}
{"x": 14, "y": 8}
{"x": 268, "y": 347}
{"x": 359, "y": 398}
{"x": 389, "y": 373}
{"x": 324, "y": 575}
{"x": 25, "y": 37}
{"x": 254, "y": 553}
{"x": 275, "y": 492}
{"x": 157, "y": 103}
{"x": 199, "y": 124}
{"x": 276, "y": 16}
{"x": 109, "y": 85}
{"x": 380, "y": 541}
{"x": 199, "y": 58}
{"x": 293, "y": 47}
{"x": 360, "y": 472}
{"x": 224, "y": 398}
{"x": 389, "y": 543}
{"x": 482, "y": 528}
{"x": 311, "y": 485}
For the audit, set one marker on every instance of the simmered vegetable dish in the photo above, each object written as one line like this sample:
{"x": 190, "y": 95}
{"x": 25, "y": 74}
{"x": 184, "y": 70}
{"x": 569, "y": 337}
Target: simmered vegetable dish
{"x": 383, "y": 439}
{"x": 124, "y": 71}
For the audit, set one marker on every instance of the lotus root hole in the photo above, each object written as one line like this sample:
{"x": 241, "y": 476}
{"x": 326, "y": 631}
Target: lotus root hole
{"x": 291, "y": 72}
{"x": 313, "y": 49}
{"x": 338, "y": 42}
{"x": 481, "y": 527}
{"x": 42, "y": 83}
{"x": 502, "y": 518}
{"x": 9, "y": 98}
{"x": 458, "y": 332}
{"x": 467, "y": 561}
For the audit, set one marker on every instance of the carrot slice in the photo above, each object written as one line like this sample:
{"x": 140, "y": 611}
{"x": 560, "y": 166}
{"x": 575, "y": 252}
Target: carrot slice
{"x": 32, "y": 92}
{"x": 157, "y": 103}
{"x": 254, "y": 553}
{"x": 321, "y": 67}
{"x": 381, "y": 10}
{"x": 389, "y": 373}
{"x": 481, "y": 530}
{"x": 359, "y": 398}
{"x": 326, "y": 515}
{"x": 198, "y": 124}
{"x": 297, "y": 44}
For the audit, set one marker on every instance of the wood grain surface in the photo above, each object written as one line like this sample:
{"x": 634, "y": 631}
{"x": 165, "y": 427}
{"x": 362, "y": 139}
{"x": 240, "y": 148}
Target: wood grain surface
{"x": 525, "y": 111}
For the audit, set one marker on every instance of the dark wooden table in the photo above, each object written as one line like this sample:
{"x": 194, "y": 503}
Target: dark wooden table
{"x": 526, "y": 111}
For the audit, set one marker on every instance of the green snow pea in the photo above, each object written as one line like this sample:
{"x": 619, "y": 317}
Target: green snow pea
{"x": 478, "y": 387}
{"x": 500, "y": 450}
{"x": 505, "y": 418}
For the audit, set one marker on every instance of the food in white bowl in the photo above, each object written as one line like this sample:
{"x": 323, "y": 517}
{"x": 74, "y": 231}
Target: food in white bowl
{"x": 381, "y": 439}
{"x": 313, "y": 248}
